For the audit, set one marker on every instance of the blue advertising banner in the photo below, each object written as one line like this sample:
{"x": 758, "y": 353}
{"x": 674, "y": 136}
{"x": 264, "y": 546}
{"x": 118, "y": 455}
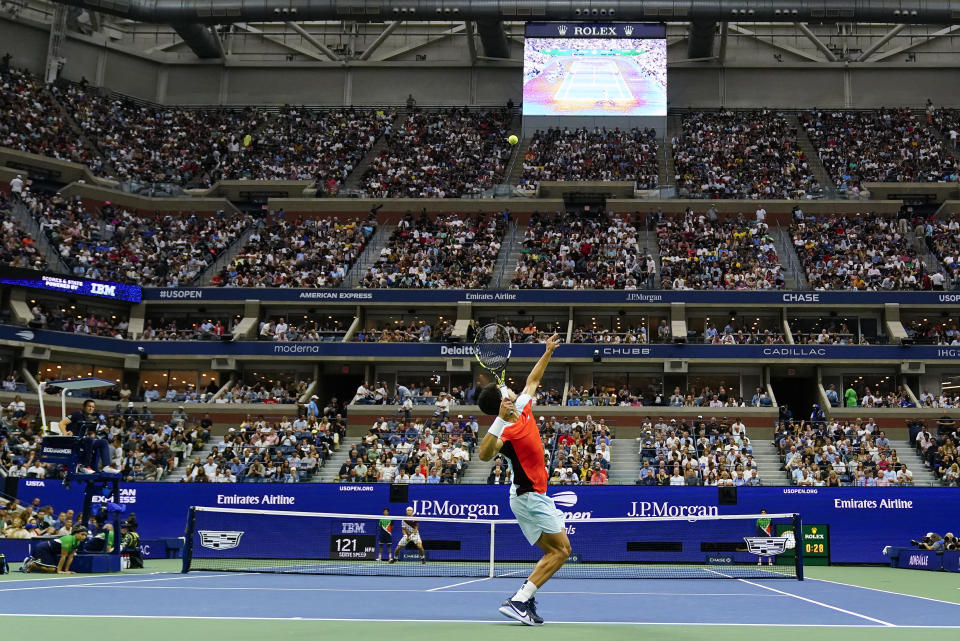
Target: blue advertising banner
{"x": 80, "y": 286}
{"x": 919, "y": 560}
{"x": 550, "y": 296}
{"x": 951, "y": 561}
{"x": 441, "y": 350}
{"x": 861, "y": 520}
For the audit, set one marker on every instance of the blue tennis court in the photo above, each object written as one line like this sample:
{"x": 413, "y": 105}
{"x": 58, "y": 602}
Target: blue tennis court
{"x": 362, "y": 599}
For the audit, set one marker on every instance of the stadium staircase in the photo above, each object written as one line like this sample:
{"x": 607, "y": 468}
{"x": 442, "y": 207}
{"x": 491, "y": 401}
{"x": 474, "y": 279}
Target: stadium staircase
{"x": 793, "y": 272}
{"x": 31, "y": 227}
{"x": 813, "y": 158}
{"x": 930, "y": 261}
{"x": 227, "y": 256}
{"x": 768, "y": 463}
{"x": 369, "y": 256}
{"x": 180, "y": 471}
{"x": 355, "y": 180}
{"x": 79, "y": 132}
{"x": 649, "y": 238}
{"x": 478, "y": 471}
{"x": 515, "y": 167}
{"x": 506, "y": 265}
{"x": 923, "y": 476}
{"x": 328, "y": 472}
{"x": 668, "y": 170}
{"x": 624, "y": 462}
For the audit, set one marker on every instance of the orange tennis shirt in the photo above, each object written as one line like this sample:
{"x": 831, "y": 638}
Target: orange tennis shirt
{"x": 524, "y": 450}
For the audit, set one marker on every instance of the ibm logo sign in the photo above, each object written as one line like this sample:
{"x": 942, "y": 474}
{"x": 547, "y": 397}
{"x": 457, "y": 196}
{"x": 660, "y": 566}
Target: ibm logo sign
{"x": 99, "y": 289}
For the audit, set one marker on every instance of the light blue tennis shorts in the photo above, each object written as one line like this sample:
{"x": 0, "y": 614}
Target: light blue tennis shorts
{"x": 536, "y": 514}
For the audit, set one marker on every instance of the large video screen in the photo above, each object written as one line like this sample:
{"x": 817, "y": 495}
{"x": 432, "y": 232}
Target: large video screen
{"x": 594, "y": 77}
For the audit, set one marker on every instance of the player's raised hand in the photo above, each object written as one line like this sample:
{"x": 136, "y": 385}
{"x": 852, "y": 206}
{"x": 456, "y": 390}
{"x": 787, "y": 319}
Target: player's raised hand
{"x": 553, "y": 343}
{"x": 507, "y": 410}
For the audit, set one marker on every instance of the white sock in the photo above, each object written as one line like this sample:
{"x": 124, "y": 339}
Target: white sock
{"x": 526, "y": 592}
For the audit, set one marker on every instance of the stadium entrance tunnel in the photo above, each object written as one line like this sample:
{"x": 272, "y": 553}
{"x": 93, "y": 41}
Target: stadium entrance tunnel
{"x": 796, "y": 391}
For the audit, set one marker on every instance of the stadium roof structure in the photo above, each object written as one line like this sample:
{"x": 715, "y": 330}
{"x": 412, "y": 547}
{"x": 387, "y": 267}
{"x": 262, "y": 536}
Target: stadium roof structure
{"x": 189, "y": 17}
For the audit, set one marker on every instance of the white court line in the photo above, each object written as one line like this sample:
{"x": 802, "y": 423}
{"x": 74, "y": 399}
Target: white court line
{"x": 443, "y": 587}
{"x": 822, "y": 604}
{"x": 575, "y": 592}
{"x": 699, "y": 624}
{"x": 863, "y": 587}
{"x": 801, "y": 598}
{"x": 100, "y": 583}
{"x": 72, "y": 577}
{"x": 486, "y": 578}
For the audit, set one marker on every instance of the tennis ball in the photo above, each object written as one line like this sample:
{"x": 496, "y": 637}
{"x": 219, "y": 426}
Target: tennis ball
{"x": 513, "y": 139}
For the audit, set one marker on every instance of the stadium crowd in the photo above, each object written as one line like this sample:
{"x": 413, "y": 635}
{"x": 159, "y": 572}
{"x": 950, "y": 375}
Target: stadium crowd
{"x": 450, "y": 251}
{"x": 888, "y": 145}
{"x": 560, "y": 252}
{"x": 942, "y": 237}
{"x": 147, "y": 143}
{"x": 288, "y": 450}
{"x": 173, "y": 330}
{"x": 741, "y": 154}
{"x": 143, "y": 446}
{"x": 818, "y": 453}
{"x": 932, "y": 331}
{"x": 31, "y": 120}
{"x": 445, "y": 154}
{"x": 17, "y": 248}
{"x": 859, "y": 253}
{"x": 78, "y": 321}
{"x": 700, "y": 251}
{"x": 938, "y": 450}
{"x": 578, "y": 450}
{"x": 307, "y": 253}
{"x": 696, "y": 452}
{"x": 412, "y": 332}
{"x": 310, "y": 330}
{"x": 395, "y": 450}
{"x": 111, "y": 243}
{"x": 592, "y": 155}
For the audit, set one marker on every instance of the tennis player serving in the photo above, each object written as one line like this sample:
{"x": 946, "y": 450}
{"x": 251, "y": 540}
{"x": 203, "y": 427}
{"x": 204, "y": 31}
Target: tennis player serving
{"x": 514, "y": 434}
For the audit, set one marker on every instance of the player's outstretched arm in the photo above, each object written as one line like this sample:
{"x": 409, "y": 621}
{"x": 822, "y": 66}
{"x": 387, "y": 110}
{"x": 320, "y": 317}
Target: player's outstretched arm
{"x": 533, "y": 381}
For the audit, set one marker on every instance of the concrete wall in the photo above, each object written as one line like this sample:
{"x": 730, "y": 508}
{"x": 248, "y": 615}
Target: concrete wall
{"x": 752, "y": 78}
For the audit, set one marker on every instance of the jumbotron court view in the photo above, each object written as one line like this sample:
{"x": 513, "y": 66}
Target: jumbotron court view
{"x": 459, "y": 320}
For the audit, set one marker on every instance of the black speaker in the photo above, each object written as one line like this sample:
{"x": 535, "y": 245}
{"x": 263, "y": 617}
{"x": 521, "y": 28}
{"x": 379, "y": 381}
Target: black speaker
{"x": 727, "y": 495}
{"x": 400, "y": 493}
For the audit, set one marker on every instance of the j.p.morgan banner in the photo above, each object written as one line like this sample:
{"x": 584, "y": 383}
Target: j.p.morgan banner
{"x": 861, "y": 521}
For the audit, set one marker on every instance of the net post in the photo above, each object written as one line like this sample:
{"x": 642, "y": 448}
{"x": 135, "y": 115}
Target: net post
{"x": 798, "y": 538}
{"x": 493, "y": 530}
{"x": 188, "y": 543}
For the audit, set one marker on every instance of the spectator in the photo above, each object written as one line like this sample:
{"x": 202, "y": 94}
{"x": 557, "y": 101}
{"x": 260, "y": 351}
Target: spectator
{"x": 592, "y": 155}
{"x": 444, "y": 154}
{"x": 748, "y": 154}
{"x": 448, "y": 252}
{"x": 730, "y": 254}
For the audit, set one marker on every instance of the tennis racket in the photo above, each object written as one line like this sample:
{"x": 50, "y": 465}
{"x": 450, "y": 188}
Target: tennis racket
{"x": 492, "y": 348}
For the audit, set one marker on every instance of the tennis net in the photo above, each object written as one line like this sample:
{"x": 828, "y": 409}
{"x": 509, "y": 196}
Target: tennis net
{"x": 756, "y": 546}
